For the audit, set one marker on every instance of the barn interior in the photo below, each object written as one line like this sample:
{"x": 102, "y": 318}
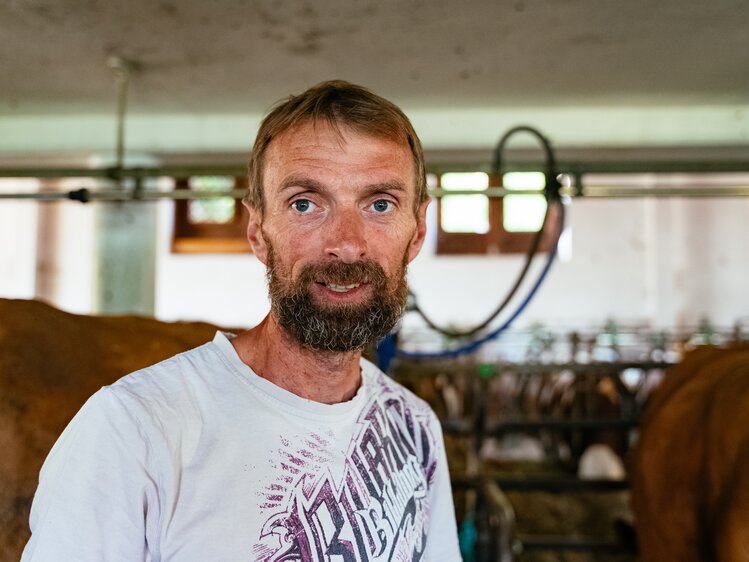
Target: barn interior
{"x": 125, "y": 130}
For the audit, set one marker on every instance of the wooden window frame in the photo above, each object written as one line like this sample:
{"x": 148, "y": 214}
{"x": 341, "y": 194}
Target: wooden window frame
{"x": 497, "y": 241}
{"x": 203, "y": 238}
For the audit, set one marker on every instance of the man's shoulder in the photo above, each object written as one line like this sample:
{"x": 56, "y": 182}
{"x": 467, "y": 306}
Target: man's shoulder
{"x": 384, "y": 385}
{"x": 172, "y": 376}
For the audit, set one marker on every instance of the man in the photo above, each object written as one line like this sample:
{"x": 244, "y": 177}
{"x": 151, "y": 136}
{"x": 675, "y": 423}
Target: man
{"x": 282, "y": 443}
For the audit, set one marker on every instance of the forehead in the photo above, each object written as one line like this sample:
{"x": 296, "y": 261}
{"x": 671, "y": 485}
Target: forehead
{"x": 316, "y": 147}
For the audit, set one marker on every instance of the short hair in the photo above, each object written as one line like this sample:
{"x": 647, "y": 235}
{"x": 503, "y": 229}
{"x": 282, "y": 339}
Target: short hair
{"x": 336, "y": 102}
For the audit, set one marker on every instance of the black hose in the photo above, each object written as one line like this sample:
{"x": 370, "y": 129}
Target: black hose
{"x": 551, "y": 193}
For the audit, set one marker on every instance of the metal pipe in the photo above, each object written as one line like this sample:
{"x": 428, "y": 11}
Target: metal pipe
{"x": 85, "y": 195}
{"x": 569, "y": 544}
{"x": 502, "y": 521}
{"x": 666, "y": 191}
{"x": 135, "y": 172}
{"x": 573, "y": 168}
{"x": 591, "y": 192}
{"x": 121, "y": 69}
{"x": 519, "y": 425}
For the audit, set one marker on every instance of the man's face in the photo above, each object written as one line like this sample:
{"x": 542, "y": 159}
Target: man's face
{"x": 338, "y": 230}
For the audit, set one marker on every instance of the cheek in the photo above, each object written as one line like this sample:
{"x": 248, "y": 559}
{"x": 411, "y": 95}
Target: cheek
{"x": 392, "y": 252}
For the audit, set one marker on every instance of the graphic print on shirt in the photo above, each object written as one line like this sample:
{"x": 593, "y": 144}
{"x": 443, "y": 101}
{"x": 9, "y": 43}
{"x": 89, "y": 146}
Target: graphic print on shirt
{"x": 375, "y": 510}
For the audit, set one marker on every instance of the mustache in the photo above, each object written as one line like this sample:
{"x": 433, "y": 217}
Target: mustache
{"x": 340, "y": 273}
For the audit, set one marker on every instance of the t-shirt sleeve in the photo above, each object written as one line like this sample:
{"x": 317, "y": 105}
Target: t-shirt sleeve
{"x": 442, "y": 537}
{"x": 96, "y": 494}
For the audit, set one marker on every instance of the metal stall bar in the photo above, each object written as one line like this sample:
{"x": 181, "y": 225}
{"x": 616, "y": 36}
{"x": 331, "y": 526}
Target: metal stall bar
{"x": 500, "y": 543}
{"x": 520, "y": 425}
{"x": 85, "y": 195}
{"x": 499, "y": 540}
{"x": 113, "y": 172}
{"x": 573, "y": 169}
{"x": 594, "y": 368}
{"x": 493, "y": 192}
{"x": 582, "y": 544}
{"x": 537, "y": 484}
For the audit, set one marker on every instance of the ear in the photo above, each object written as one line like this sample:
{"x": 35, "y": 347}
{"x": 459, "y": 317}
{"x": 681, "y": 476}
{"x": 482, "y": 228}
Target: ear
{"x": 417, "y": 241}
{"x": 255, "y": 233}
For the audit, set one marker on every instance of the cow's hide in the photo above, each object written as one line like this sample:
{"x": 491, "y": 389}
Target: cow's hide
{"x": 690, "y": 481}
{"x": 50, "y": 363}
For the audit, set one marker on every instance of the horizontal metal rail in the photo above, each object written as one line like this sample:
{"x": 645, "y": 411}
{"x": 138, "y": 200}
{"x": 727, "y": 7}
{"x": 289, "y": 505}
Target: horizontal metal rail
{"x": 576, "y": 170}
{"x": 551, "y": 484}
{"x": 596, "y": 368}
{"x": 690, "y": 164}
{"x": 615, "y": 192}
{"x": 581, "y": 544}
{"x": 502, "y": 542}
{"x": 560, "y": 485}
{"x": 464, "y": 427}
{"x": 609, "y": 191}
{"x": 114, "y": 173}
{"x": 86, "y": 195}
{"x": 506, "y": 426}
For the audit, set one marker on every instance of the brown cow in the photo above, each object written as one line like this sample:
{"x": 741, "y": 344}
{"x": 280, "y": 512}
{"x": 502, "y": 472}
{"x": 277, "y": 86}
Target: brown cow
{"x": 50, "y": 363}
{"x": 690, "y": 479}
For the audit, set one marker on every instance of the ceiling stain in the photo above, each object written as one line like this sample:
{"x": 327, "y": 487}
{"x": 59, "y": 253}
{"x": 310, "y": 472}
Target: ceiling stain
{"x": 588, "y": 39}
{"x": 168, "y": 9}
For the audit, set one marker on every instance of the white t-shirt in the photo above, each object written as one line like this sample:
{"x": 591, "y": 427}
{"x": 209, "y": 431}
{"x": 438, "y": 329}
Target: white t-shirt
{"x": 199, "y": 459}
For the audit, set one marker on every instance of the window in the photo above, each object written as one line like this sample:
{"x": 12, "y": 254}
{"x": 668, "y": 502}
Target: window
{"x": 523, "y": 213}
{"x": 215, "y": 225}
{"x": 477, "y": 224}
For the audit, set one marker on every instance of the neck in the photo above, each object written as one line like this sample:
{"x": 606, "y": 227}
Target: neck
{"x": 326, "y": 377}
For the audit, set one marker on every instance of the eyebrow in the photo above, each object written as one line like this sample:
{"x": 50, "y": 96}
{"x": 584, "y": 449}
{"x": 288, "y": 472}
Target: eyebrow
{"x": 301, "y": 181}
{"x": 384, "y": 187}
{"x": 314, "y": 185}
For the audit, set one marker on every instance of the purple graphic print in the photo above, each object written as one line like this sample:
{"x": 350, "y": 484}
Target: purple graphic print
{"x": 374, "y": 509}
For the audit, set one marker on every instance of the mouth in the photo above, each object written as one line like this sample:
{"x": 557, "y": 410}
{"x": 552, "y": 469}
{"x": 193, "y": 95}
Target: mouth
{"x": 341, "y": 288}
{"x": 343, "y": 292}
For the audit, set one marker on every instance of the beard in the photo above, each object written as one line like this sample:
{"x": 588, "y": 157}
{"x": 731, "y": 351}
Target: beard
{"x": 339, "y": 327}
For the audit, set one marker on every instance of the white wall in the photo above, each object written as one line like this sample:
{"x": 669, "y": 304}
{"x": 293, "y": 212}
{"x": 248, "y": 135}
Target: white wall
{"x": 69, "y": 260}
{"x": 639, "y": 261}
{"x": 227, "y": 289}
{"x": 17, "y": 240}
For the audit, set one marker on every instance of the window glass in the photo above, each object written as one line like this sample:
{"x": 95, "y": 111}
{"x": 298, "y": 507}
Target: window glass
{"x": 465, "y": 213}
{"x": 523, "y": 213}
{"x": 216, "y": 210}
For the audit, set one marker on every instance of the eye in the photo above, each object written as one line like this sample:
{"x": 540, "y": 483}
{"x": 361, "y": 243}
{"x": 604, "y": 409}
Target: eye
{"x": 382, "y": 205}
{"x": 303, "y": 205}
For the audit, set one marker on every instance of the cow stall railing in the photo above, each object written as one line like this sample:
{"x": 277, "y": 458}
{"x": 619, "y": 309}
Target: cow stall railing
{"x": 503, "y": 542}
{"x": 497, "y": 538}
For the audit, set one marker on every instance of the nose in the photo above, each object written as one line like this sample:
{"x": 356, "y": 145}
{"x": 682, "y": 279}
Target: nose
{"x": 345, "y": 237}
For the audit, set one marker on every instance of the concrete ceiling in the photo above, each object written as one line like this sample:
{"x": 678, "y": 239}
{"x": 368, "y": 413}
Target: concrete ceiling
{"x": 229, "y": 56}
